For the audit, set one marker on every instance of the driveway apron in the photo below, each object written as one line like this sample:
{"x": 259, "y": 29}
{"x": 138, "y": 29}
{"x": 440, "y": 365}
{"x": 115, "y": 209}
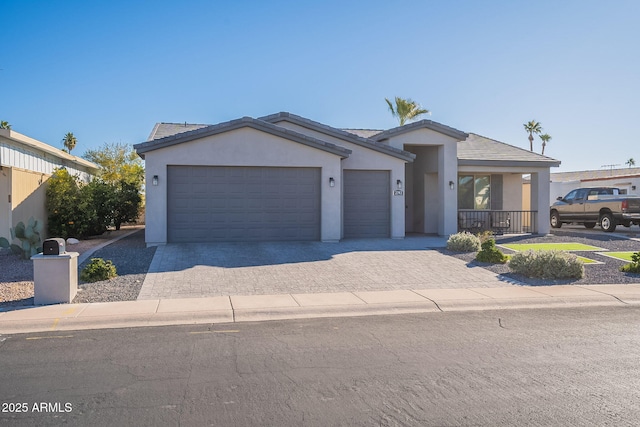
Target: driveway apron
{"x": 267, "y": 268}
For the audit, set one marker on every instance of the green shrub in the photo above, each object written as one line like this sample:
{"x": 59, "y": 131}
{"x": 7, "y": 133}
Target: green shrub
{"x": 485, "y": 235}
{"x": 633, "y": 266}
{"x": 64, "y": 204}
{"x": 78, "y": 210}
{"x": 551, "y": 264}
{"x": 490, "y": 253}
{"x": 463, "y": 242}
{"x": 98, "y": 269}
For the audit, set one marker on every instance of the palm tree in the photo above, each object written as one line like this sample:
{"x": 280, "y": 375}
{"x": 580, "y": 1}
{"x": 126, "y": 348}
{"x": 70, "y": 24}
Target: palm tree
{"x": 406, "y": 109}
{"x": 69, "y": 141}
{"x": 4, "y": 125}
{"x": 532, "y": 127}
{"x": 630, "y": 162}
{"x": 545, "y": 138}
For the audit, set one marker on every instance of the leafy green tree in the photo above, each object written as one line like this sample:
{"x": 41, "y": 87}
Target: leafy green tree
{"x": 121, "y": 168}
{"x": 69, "y": 141}
{"x": 532, "y": 127}
{"x": 405, "y": 109}
{"x": 630, "y": 162}
{"x": 4, "y": 125}
{"x": 545, "y": 138}
{"x": 127, "y": 203}
{"x": 118, "y": 162}
{"x": 65, "y": 205}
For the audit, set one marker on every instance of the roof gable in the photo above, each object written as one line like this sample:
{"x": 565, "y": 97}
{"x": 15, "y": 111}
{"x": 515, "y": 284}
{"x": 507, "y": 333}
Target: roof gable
{"x": 422, "y": 124}
{"x": 341, "y": 134}
{"x": 260, "y": 125}
{"x": 477, "y": 149}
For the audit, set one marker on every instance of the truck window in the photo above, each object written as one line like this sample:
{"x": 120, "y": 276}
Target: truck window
{"x": 580, "y": 194}
{"x": 572, "y": 195}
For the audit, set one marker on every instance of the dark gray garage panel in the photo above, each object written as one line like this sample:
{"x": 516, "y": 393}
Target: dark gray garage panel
{"x": 220, "y": 203}
{"x": 367, "y": 206}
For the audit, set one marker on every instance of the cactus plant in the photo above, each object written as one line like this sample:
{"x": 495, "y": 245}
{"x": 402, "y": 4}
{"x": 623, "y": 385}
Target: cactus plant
{"x": 29, "y": 236}
{"x": 4, "y": 243}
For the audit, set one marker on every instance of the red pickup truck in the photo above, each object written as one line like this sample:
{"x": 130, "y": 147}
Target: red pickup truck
{"x": 590, "y": 206}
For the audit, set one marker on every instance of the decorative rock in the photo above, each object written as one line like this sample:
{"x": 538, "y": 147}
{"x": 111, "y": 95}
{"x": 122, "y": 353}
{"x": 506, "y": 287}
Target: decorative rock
{"x": 72, "y": 241}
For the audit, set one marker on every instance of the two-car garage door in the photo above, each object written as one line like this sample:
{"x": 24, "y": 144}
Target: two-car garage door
{"x": 219, "y": 203}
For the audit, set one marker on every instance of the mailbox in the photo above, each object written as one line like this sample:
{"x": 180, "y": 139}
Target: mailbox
{"x": 55, "y": 246}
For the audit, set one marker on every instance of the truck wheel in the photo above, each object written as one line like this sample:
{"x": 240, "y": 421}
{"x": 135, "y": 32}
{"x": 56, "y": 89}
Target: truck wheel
{"x": 555, "y": 220}
{"x": 589, "y": 224}
{"x": 607, "y": 222}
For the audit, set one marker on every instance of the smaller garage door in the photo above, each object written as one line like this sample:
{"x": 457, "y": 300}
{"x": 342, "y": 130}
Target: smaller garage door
{"x": 367, "y": 206}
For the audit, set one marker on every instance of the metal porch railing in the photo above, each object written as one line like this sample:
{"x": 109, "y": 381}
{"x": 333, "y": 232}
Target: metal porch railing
{"x": 499, "y": 222}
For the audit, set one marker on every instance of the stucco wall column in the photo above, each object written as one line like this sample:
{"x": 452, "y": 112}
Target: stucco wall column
{"x": 448, "y": 171}
{"x": 540, "y": 199}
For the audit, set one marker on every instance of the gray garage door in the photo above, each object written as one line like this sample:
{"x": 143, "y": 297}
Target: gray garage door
{"x": 366, "y": 203}
{"x": 208, "y": 204}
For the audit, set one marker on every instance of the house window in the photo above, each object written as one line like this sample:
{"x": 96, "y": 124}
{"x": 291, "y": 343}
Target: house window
{"x": 474, "y": 192}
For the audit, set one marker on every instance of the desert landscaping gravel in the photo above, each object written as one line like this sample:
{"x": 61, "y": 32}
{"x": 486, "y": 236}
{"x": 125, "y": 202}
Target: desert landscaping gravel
{"x": 131, "y": 258}
{"x": 606, "y": 273}
{"x": 16, "y": 274}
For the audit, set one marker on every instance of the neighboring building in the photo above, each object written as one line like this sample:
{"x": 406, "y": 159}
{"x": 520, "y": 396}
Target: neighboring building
{"x": 25, "y": 166}
{"x": 626, "y": 179}
{"x": 285, "y": 177}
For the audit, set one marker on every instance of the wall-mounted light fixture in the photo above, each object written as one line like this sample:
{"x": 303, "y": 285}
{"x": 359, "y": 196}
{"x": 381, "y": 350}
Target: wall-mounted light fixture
{"x": 399, "y": 184}
{"x": 154, "y": 181}
{"x": 451, "y": 185}
{"x": 332, "y": 182}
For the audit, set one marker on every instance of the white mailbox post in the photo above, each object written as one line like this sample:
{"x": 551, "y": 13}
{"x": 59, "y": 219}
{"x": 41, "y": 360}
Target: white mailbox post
{"x": 55, "y": 278}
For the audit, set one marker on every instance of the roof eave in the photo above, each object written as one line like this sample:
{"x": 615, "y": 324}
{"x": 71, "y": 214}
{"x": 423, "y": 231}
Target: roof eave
{"x": 509, "y": 163}
{"x": 369, "y": 143}
{"x": 257, "y": 124}
{"x": 38, "y": 145}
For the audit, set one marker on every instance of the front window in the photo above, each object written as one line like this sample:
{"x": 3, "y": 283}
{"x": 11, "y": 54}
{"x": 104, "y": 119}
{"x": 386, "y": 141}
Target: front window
{"x": 474, "y": 192}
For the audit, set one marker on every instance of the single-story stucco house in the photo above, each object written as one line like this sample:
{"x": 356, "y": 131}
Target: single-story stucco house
{"x": 25, "y": 166}
{"x": 285, "y": 177}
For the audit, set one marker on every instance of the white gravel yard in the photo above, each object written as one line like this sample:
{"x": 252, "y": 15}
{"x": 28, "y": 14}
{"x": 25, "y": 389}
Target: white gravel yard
{"x": 16, "y": 274}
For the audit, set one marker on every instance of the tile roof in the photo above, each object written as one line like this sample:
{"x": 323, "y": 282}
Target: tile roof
{"x": 473, "y": 150}
{"x": 364, "y": 133}
{"x": 477, "y": 148}
{"x": 161, "y": 130}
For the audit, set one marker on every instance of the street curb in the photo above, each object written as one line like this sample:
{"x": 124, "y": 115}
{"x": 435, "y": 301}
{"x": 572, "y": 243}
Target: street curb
{"x": 75, "y": 316}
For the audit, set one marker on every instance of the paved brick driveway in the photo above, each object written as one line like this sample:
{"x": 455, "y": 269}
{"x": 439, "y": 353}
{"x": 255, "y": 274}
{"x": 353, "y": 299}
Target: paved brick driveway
{"x": 212, "y": 269}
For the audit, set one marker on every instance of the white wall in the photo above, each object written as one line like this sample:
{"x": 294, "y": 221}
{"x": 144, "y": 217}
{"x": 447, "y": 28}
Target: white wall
{"x": 241, "y": 147}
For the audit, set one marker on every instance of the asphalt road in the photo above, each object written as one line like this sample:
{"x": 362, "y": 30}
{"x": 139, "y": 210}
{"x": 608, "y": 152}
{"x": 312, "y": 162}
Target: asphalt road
{"x": 575, "y": 367}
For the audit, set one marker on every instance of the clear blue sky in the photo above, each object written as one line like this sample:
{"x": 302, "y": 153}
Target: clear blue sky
{"x": 109, "y": 70}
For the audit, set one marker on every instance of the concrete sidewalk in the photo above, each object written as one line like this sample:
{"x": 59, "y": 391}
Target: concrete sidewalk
{"x": 231, "y": 309}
